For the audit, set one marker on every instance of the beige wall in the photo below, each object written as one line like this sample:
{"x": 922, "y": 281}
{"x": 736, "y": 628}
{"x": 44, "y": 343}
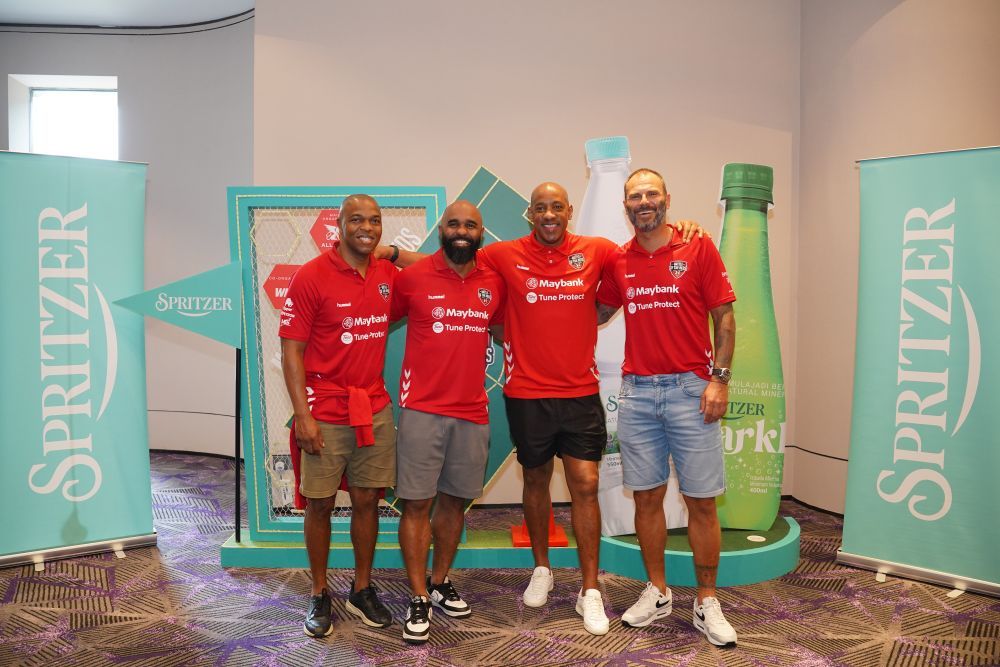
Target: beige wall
{"x": 424, "y": 92}
{"x": 185, "y": 108}
{"x": 878, "y": 78}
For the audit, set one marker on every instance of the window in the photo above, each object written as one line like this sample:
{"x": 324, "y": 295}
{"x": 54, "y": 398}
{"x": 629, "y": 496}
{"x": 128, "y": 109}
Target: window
{"x": 64, "y": 115}
{"x": 81, "y": 123}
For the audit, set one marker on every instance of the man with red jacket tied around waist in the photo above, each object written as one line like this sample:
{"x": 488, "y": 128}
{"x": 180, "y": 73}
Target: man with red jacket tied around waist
{"x": 333, "y": 331}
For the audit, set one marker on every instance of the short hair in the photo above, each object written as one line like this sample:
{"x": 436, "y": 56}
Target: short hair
{"x": 357, "y": 198}
{"x": 645, "y": 170}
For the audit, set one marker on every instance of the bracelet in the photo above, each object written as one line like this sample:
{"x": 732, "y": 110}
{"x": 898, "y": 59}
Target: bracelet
{"x": 395, "y": 252}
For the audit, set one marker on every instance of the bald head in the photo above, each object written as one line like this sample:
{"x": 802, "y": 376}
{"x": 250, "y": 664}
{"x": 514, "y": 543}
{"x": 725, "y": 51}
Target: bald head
{"x": 550, "y": 213}
{"x": 461, "y": 208}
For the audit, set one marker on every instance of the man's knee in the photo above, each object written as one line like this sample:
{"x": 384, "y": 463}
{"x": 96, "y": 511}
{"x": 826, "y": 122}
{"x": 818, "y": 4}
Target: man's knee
{"x": 321, "y": 506}
{"x": 417, "y": 508}
{"x": 649, "y": 499}
{"x": 701, "y": 508}
{"x": 538, "y": 477}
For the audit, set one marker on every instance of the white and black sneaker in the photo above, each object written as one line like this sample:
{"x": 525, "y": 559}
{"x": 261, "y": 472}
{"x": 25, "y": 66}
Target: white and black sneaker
{"x": 417, "y": 626}
{"x": 446, "y": 598}
{"x": 709, "y": 619}
{"x": 650, "y": 606}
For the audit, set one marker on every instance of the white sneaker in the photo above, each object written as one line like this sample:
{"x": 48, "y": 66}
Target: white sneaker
{"x": 590, "y": 605}
{"x": 709, "y": 619}
{"x": 650, "y": 606}
{"x": 537, "y": 592}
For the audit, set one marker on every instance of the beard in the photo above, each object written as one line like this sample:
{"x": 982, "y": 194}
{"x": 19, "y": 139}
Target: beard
{"x": 460, "y": 254}
{"x": 661, "y": 215}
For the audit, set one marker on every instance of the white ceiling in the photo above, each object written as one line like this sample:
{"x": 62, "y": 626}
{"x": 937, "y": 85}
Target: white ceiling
{"x": 119, "y": 13}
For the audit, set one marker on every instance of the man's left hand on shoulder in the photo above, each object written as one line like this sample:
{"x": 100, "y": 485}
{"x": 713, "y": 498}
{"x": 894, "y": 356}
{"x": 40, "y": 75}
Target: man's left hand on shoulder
{"x": 689, "y": 228}
{"x": 714, "y": 400}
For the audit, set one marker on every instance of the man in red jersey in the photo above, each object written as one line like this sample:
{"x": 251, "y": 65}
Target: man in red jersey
{"x": 444, "y": 433}
{"x": 674, "y": 391}
{"x": 551, "y": 392}
{"x": 333, "y": 334}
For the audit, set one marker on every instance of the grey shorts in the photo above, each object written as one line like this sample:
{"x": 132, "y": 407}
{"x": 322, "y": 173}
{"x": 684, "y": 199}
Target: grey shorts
{"x": 372, "y": 467}
{"x": 437, "y": 453}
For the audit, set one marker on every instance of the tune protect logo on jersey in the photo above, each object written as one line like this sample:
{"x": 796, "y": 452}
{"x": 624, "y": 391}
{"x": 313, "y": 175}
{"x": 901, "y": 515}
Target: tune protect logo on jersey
{"x": 78, "y": 357}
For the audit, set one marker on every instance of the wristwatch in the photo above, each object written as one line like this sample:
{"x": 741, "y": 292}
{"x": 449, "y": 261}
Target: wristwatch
{"x": 724, "y": 374}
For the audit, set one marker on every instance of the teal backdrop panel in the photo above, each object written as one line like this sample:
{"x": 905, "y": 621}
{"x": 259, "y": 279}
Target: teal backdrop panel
{"x": 922, "y": 486}
{"x": 273, "y": 231}
{"x": 73, "y": 406}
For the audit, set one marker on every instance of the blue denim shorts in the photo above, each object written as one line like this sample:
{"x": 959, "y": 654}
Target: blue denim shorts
{"x": 658, "y": 417}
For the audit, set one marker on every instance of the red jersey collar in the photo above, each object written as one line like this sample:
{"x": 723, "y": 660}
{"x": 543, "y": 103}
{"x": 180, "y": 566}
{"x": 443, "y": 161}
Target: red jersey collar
{"x": 563, "y": 248}
{"x": 675, "y": 240}
{"x": 439, "y": 263}
{"x": 340, "y": 264}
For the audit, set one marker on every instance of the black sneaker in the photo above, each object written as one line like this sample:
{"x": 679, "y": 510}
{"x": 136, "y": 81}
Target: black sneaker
{"x": 446, "y": 598}
{"x": 417, "y": 627}
{"x": 318, "y": 622}
{"x": 365, "y": 605}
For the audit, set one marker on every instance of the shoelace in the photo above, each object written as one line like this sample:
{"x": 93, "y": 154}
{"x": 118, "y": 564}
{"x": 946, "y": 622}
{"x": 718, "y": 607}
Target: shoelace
{"x": 418, "y": 609}
{"x": 538, "y": 584}
{"x": 650, "y": 596}
{"x": 712, "y": 610}
{"x": 447, "y": 591}
{"x": 593, "y": 608}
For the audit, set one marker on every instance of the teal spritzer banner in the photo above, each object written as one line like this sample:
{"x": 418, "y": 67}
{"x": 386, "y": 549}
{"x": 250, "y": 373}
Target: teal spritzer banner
{"x": 922, "y": 492}
{"x": 206, "y": 303}
{"x": 75, "y": 455}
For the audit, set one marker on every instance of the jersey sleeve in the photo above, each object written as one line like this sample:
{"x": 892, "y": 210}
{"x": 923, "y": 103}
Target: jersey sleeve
{"x": 400, "y": 307}
{"x": 608, "y": 292}
{"x": 488, "y": 255}
{"x": 716, "y": 288}
{"x": 301, "y": 304}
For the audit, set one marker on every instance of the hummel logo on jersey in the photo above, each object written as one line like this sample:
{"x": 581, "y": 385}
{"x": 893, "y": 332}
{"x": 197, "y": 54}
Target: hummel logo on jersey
{"x": 485, "y": 296}
{"x": 383, "y": 289}
{"x": 630, "y": 275}
{"x": 678, "y": 268}
{"x": 576, "y": 260}
{"x": 522, "y": 267}
{"x": 435, "y": 297}
{"x": 341, "y": 305}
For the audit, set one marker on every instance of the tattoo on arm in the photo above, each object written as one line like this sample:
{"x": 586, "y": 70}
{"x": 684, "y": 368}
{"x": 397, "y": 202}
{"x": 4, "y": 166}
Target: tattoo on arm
{"x": 605, "y": 312}
{"x": 724, "y": 321}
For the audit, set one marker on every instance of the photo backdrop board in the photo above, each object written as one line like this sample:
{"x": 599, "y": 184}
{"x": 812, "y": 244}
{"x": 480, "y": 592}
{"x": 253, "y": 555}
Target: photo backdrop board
{"x": 75, "y": 478}
{"x": 922, "y": 493}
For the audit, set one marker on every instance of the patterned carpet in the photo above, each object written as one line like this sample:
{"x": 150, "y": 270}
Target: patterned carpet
{"x": 174, "y": 605}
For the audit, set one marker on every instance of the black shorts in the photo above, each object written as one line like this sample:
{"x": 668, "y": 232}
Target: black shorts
{"x": 541, "y": 428}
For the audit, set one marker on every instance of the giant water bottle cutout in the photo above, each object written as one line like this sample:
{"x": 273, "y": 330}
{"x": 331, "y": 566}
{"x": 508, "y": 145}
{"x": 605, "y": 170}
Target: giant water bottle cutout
{"x": 603, "y": 214}
{"x": 753, "y": 429}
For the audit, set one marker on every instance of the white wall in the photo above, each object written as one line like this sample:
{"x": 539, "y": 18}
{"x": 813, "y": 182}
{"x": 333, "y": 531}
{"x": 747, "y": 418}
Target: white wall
{"x": 879, "y": 78}
{"x": 423, "y": 93}
{"x": 185, "y": 108}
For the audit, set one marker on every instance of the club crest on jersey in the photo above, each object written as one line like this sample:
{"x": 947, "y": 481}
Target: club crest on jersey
{"x": 576, "y": 260}
{"x": 678, "y": 268}
{"x": 485, "y": 296}
{"x": 383, "y": 289}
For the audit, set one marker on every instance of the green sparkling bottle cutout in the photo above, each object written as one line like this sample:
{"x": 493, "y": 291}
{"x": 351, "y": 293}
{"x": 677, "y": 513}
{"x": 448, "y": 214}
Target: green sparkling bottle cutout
{"x": 753, "y": 428}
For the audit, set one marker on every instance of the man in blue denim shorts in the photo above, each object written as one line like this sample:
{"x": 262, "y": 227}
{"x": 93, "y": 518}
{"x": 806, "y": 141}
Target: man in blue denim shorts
{"x": 674, "y": 391}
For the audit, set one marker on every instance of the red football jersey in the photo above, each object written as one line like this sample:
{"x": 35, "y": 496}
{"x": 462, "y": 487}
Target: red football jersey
{"x": 667, "y": 297}
{"x": 447, "y": 337}
{"x": 343, "y": 317}
{"x": 550, "y": 323}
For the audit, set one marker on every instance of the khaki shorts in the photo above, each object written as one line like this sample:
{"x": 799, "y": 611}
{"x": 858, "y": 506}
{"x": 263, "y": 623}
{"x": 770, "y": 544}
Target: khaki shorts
{"x": 372, "y": 467}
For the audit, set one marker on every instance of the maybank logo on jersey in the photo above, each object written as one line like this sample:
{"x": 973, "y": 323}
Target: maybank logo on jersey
{"x": 633, "y": 292}
{"x": 68, "y": 406}
{"x": 559, "y": 284}
{"x": 928, "y": 414}
{"x": 193, "y": 306}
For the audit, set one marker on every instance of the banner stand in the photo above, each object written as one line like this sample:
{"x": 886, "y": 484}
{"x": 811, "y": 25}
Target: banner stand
{"x": 919, "y": 573}
{"x": 45, "y": 555}
{"x": 236, "y": 445}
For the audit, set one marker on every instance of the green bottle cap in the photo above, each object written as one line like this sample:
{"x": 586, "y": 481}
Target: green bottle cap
{"x": 607, "y": 148}
{"x": 747, "y": 181}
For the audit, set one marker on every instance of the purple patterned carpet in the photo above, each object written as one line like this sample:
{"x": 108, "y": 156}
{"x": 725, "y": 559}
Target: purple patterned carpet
{"x": 174, "y": 605}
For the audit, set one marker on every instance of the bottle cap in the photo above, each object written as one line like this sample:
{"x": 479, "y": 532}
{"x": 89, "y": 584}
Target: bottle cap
{"x": 747, "y": 181}
{"x": 607, "y": 148}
